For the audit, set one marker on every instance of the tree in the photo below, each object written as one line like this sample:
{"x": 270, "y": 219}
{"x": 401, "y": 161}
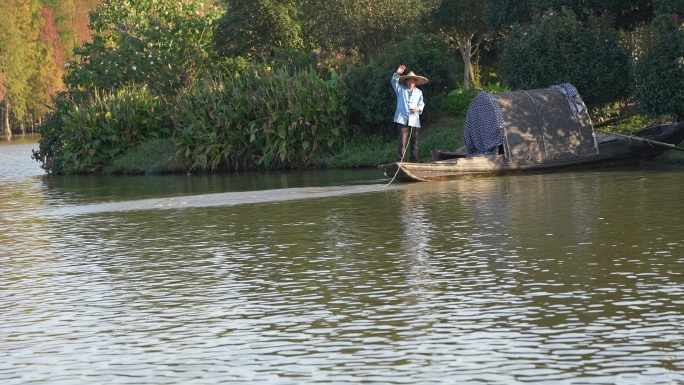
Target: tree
{"x": 35, "y": 42}
{"x": 500, "y": 15}
{"x": 45, "y": 79}
{"x": 557, "y": 48}
{"x": 163, "y": 44}
{"x": 668, "y": 6}
{"x": 249, "y": 28}
{"x": 17, "y": 43}
{"x": 70, "y": 18}
{"x": 460, "y": 21}
{"x": 660, "y": 70}
{"x": 625, "y": 14}
{"x": 365, "y": 26}
{"x": 5, "y": 128}
{"x": 628, "y": 16}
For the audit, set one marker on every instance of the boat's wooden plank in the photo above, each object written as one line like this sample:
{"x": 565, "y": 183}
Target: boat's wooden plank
{"x": 613, "y": 150}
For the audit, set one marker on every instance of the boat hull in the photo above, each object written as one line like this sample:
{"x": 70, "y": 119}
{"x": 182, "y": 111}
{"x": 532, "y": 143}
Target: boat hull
{"x": 612, "y": 151}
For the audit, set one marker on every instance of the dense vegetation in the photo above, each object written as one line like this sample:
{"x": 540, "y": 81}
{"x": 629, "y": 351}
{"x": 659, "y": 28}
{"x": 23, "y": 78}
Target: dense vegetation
{"x": 557, "y": 48}
{"x": 286, "y": 84}
{"x": 660, "y": 68}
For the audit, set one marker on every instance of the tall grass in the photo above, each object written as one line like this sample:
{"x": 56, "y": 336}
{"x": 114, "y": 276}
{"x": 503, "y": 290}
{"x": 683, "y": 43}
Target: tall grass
{"x": 274, "y": 119}
{"x": 84, "y": 137}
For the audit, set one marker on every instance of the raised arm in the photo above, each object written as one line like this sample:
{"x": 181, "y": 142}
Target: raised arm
{"x": 395, "y": 77}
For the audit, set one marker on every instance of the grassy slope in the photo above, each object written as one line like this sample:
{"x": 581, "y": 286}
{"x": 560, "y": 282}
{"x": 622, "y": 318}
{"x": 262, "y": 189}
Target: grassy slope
{"x": 442, "y": 133}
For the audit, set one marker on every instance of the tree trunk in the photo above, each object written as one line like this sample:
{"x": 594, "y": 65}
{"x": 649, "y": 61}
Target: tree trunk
{"x": 632, "y": 43}
{"x": 472, "y": 75}
{"x": 5, "y": 128}
{"x": 467, "y": 50}
{"x": 466, "y": 73}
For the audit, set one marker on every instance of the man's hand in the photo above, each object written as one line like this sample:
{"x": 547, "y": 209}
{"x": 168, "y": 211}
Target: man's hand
{"x": 401, "y": 69}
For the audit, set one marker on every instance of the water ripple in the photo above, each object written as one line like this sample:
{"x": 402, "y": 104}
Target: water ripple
{"x": 497, "y": 281}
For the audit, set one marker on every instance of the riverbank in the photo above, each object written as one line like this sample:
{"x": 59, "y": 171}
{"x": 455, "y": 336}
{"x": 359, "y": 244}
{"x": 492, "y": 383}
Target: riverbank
{"x": 160, "y": 156}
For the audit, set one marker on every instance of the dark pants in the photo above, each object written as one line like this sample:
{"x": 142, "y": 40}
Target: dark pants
{"x": 402, "y": 136}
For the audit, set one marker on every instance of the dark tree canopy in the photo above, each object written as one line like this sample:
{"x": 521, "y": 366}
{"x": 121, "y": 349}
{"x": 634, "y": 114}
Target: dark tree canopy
{"x": 500, "y": 15}
{"x": 626, "y": 14}
{"x": 668, "y": 6}
{"x": 660, "y": 70}
{"x": 366, "y": 26}
{"x": 558, "y": 48}
{"x": 249, "y": 28}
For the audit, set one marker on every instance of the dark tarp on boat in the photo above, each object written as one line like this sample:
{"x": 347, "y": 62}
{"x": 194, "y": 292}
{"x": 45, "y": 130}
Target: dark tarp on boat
{"x": 534, "y": 125}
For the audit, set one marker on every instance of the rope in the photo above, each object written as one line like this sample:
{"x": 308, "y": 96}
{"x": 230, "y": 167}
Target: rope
{"x": 403, "y": 154}
{"x": 649, "y": 141}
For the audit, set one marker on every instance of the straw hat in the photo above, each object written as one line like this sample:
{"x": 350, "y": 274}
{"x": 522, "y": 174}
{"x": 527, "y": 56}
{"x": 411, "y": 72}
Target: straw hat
{"x": 420, "y": 80}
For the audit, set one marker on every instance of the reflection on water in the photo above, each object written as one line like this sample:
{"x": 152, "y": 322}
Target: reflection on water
{"x": 571, "y": 278}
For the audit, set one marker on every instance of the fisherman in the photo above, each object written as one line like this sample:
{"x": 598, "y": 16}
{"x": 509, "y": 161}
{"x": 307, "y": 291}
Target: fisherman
{"x": 409, "y": 108}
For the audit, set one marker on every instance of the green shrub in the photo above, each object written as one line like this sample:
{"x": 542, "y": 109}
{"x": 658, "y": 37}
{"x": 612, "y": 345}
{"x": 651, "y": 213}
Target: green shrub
{"x": 163, "y": 44}
{"x": 50, "y": 151}
{"x": 85, "y": 137}
{"x": 372, "y": 100}
{"x": 668, "y": 6}
{"x": 457, "y": 102}
{"x": 268, "y": 119}
{"x": 660, "y": 70}
{"x": 556, "y": 48}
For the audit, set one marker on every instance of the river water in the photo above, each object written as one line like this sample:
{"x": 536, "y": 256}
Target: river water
{"x": 333, "y": 277}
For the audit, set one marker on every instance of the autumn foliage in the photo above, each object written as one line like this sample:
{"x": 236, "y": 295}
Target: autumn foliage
{"x": 36, "y": 41}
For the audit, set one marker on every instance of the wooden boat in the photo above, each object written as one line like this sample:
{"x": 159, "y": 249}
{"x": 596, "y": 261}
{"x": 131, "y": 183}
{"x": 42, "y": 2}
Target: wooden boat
{"x": 613, "y": 150}
{"x": 540, "y": 130}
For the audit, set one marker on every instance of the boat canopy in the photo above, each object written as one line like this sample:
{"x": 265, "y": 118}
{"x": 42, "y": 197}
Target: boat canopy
{"x": 534, "y": 125}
